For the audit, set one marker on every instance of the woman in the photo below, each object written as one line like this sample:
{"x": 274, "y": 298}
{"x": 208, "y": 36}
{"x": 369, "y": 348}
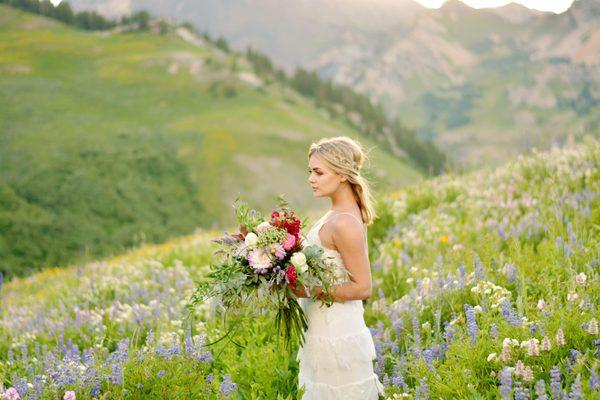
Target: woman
{"x": 336, "y": 358}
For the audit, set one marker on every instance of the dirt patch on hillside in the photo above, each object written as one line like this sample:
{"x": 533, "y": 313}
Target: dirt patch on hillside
{"x": 15, "y": 69}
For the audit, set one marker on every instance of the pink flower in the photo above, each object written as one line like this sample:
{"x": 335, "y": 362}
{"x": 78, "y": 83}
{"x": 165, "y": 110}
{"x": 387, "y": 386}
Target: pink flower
{"x": 259, "y": 260}
{"x": 262, "y": 226}
{"x": 69, "y": 395}
{"x": 289, "y": 242}
{"x": 12, "y": 394}
{"x": 280, "y": 252}
{"x": 457, "y": 247}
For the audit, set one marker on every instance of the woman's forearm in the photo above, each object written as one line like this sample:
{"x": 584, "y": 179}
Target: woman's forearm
{"x": 346, "y": 291}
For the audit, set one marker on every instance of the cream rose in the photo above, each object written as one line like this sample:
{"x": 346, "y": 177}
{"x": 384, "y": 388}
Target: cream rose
{"x": 251, "y": 239}
{"x": 299, "y": 261}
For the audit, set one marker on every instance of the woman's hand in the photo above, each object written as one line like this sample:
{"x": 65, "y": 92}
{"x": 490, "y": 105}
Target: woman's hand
{"x": 300, "y": 291}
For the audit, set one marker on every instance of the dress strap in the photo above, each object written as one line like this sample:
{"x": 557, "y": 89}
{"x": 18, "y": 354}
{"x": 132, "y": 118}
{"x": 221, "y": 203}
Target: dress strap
{"x": 355, "y": 217}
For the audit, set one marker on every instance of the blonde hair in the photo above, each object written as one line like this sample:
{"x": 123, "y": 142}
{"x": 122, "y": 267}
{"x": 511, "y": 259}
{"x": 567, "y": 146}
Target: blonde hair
{"x": 345, "y": 156}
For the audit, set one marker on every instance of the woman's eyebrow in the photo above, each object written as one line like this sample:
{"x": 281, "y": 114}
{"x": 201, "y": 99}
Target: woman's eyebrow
{"x": 315, "y": 168}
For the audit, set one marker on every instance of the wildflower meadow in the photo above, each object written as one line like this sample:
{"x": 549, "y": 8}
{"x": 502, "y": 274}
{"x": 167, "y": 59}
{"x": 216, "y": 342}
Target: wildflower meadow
{"x": 485, "y": 287}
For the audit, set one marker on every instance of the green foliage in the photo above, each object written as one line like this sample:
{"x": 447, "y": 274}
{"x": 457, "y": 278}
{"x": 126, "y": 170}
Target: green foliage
{"x": 94, "y": 202}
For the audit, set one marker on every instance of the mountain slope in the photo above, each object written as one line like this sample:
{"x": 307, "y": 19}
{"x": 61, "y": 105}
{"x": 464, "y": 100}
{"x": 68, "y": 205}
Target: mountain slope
{"x": 485, "y": 84}
{"x": 114, "y": 139}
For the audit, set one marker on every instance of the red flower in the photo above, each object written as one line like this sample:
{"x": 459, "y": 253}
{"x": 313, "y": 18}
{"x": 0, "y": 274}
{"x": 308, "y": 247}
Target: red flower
{"x": 289, "y": 222}
{"x": 291, "y": 275}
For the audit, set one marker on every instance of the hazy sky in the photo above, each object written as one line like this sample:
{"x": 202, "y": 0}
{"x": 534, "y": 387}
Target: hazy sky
{"x": 556, "y": 6}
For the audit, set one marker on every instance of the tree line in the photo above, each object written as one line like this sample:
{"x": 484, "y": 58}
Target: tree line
{"x": 343, "y": 100}
{"x": 88, "y": 20}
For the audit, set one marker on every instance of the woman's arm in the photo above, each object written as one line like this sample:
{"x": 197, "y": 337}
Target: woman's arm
{"x": 348, "y": 237}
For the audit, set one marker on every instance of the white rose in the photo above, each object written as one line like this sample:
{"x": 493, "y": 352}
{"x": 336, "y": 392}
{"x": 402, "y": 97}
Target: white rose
{"x": 299, "y": 261}
{"x": 251, "y": 239}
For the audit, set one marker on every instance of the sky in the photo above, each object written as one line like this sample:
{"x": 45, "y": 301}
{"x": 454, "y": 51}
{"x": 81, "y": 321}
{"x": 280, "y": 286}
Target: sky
{"x": 556, "y": 6}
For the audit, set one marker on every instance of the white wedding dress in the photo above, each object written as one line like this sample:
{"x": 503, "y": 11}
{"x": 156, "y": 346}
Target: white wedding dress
{"x": 336, "y": 358}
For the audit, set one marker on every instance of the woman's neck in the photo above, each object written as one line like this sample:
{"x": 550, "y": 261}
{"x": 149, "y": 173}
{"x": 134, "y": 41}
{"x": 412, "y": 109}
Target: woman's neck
{"x": 343, "y": 200}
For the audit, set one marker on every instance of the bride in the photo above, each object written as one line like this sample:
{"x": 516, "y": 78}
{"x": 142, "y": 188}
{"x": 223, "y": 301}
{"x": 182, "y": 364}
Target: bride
{"x": 336, "y": 359}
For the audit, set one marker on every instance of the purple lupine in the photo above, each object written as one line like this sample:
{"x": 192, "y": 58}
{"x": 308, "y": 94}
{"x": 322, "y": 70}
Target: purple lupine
{"x": 21, "y": 386}
{"x": 594, "y": 380}
{"x": 385, "y": 380}
{"x": 398, "y": 327}
{"x": 533, "y": 328}
{"x": 559, "y": 243}
{"x": 116, "y": 376}
{"x": 479, "y": 270}
{"x": 227, "y": 386}
{"x": 462, "y": 275}
{"x": 24, "y": 355}
{"x": 95, "y": 390}
{"x": 471, "y": 323}
{"x": 88, "y": 357}
{"x": 494, "y": 331}
{"x": 448, "y": 332}
{"x": 573, "y": 353}
{"x": 428, "y": 358}
{"x": 161, "y": 373}
{"x": 423, "y": 393}
{"x": 505, "y": 309}
{"x": 515, "y": 319}
{"x": 505, "y": 383}
{"x": 416, "y": 332}
{"x": 380, "y": 362}
{"x": 398, "y": 379}
{"x": 540, "y": 390}
{"x": 576, "y": 389}
{"x": 38, "y": 386}
{"x": 189, "y": 342}
{"x": 555, "y": 383}
{"x": 209, "y": 378}
{"x": 521, "y": 393}
{"x": 440, "y": 277}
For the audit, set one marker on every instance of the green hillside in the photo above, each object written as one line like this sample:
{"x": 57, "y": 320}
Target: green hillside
{"x": 108, "y": 140}
{"x": 460, "y": 264}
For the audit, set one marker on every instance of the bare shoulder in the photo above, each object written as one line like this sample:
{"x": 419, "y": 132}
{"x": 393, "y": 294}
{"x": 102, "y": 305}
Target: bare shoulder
{"x": 347, "y": 227}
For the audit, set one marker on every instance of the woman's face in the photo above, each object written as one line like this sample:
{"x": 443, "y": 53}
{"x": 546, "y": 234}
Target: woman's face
{"x": 323, "y": 180}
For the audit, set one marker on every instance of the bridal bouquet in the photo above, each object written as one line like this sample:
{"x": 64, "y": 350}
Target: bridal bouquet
{"x": 262, "y": 262}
